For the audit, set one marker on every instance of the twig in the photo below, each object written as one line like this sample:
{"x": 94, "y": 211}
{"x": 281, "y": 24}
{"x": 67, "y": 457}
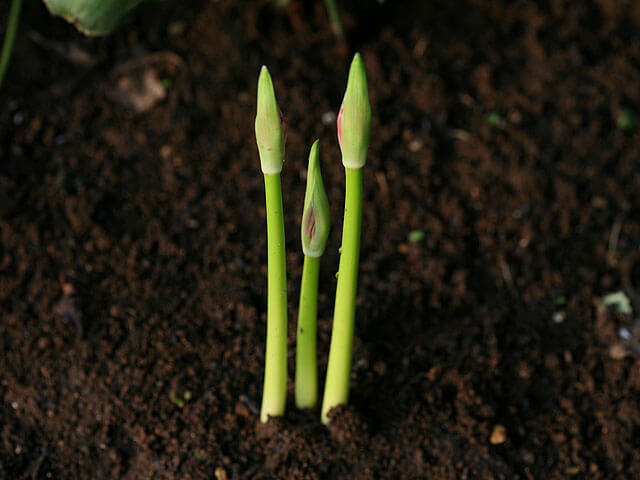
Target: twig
{"x": 36, "y": 466}
{"x": 507, "y": 276}
{"x": 70, "y": 52}
{"x": 634, "y": 296}
{"x": 614, "y": 236}
{"x": 626, "y": 267}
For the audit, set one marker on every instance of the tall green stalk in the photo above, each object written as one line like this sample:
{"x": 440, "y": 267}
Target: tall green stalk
{"x": 314, "y": 234}
{"x": 306, "y": 391}
{"x": 354, "y": 127}
{"x": 275, "y": 379}
{"x": 336, "y": 390}
{"x": 270, "y": 137}
{"x": 9, "y": 37}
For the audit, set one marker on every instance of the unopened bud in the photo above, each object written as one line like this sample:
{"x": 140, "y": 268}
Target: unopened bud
{"x": 270, "y": 126}
{"x": 315, "y": 215}
{"x": 354, "y": 118}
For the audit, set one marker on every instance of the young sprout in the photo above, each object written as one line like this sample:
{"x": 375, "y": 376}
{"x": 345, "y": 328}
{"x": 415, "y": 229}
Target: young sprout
{"x": 9, "y": 36}
{"x": 334, "y": 18}
{"x": 315, "y": 231}
{"x": 270, "y": 136}
{"x": 354, "y": 127}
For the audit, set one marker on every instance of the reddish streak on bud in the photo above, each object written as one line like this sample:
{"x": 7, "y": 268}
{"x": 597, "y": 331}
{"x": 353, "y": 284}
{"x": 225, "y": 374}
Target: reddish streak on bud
{"x": 339, "y": 123}
{"x": 311, "y": 225}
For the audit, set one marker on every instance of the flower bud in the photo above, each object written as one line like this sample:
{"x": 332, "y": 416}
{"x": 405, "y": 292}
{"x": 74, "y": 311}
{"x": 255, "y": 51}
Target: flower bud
{"x": 315, "y": 215}
{"x": 354, "y": 119}
{"x": 270, "y": 126}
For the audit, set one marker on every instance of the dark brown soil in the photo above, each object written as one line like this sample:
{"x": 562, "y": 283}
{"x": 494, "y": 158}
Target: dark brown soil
{"x": 132, "y": 245}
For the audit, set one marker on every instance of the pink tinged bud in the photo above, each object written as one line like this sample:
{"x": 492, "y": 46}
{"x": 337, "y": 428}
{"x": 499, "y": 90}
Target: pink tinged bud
{"x": 339, "y": 123}
{"x": 311, "y": 225}
{"x": 354, "y": 119}
{"x": 315, "y": 215}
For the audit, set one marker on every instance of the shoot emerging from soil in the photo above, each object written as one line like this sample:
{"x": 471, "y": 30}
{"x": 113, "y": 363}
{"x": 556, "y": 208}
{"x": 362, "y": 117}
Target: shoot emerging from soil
{"x": 354, "y": 127}
{"x": 315, "y": 231}
{"x": 9, "y": 36}
{"x": 270, "y": 136}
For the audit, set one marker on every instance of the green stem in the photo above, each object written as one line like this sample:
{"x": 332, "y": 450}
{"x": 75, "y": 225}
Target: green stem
{"x": 336, "y": 391}
{"x": 274, "y": 397}
{"x": 334, "y": 18}
{"x": 306, "y": 361}
{"x": 9, "y": 36}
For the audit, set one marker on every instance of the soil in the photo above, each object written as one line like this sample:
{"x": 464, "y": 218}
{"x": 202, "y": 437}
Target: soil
{"x": 133, "y": 250}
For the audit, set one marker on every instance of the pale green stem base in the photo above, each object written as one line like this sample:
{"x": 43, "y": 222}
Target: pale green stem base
{"x": 9, "y": 36}
{"x": 274, "y": 397}
{"x": 336, "y": 390}
{"x": 306, "y": 362}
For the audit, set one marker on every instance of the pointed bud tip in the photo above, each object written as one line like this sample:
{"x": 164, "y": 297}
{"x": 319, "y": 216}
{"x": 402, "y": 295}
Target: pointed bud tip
{"x": 314, "y": 154}
{"x": 264, "y": 80}
{"x": 313, "y": 169}
{"x": 354, "y": 118}
{"x": 357, "y": 70}
{"x": 357, "y": 59}
{"x": 315, "y": 214}
{"x": 269, "y": 126}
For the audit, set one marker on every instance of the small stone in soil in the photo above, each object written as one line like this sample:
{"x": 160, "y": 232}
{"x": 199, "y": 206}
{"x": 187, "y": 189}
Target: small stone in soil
{"x": 558, "y": 317}
{"x": 498, "y": 435}
{"x": 221, "y": 474}
{"x": 618, "y": 351}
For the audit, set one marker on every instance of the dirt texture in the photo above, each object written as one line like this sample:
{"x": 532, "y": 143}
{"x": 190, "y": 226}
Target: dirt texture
{"x": 133, "y": 244}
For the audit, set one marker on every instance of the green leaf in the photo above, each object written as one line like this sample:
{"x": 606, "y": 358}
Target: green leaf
{"x": 560, "y": 301}
{"x": 492, "y": 118}
{"x": 176, "y": 400}
{"x": 94, "y": 17}
{"x": 627, "y": 120}
{"x": 415, "y": 236}
{"x": 617, "y": 300}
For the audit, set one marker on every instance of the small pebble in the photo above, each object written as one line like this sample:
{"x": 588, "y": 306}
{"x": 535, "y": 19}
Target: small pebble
{"x": 514, "y": 116}
{"x": 380, "y": 368}
{"x": 528, "y": 457}
{"x": 220, "y": 473}
{"x": 14, "y": 405}
{"x": 415, "y": 145}
{"x": 617, "y": 351}
{"x": 498, "y": 435}
{"x": 558, "y": 317}
{"x": 328, "y": 118}
{"x": 241, "y": 410}
{"x": 624, "y": 333}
